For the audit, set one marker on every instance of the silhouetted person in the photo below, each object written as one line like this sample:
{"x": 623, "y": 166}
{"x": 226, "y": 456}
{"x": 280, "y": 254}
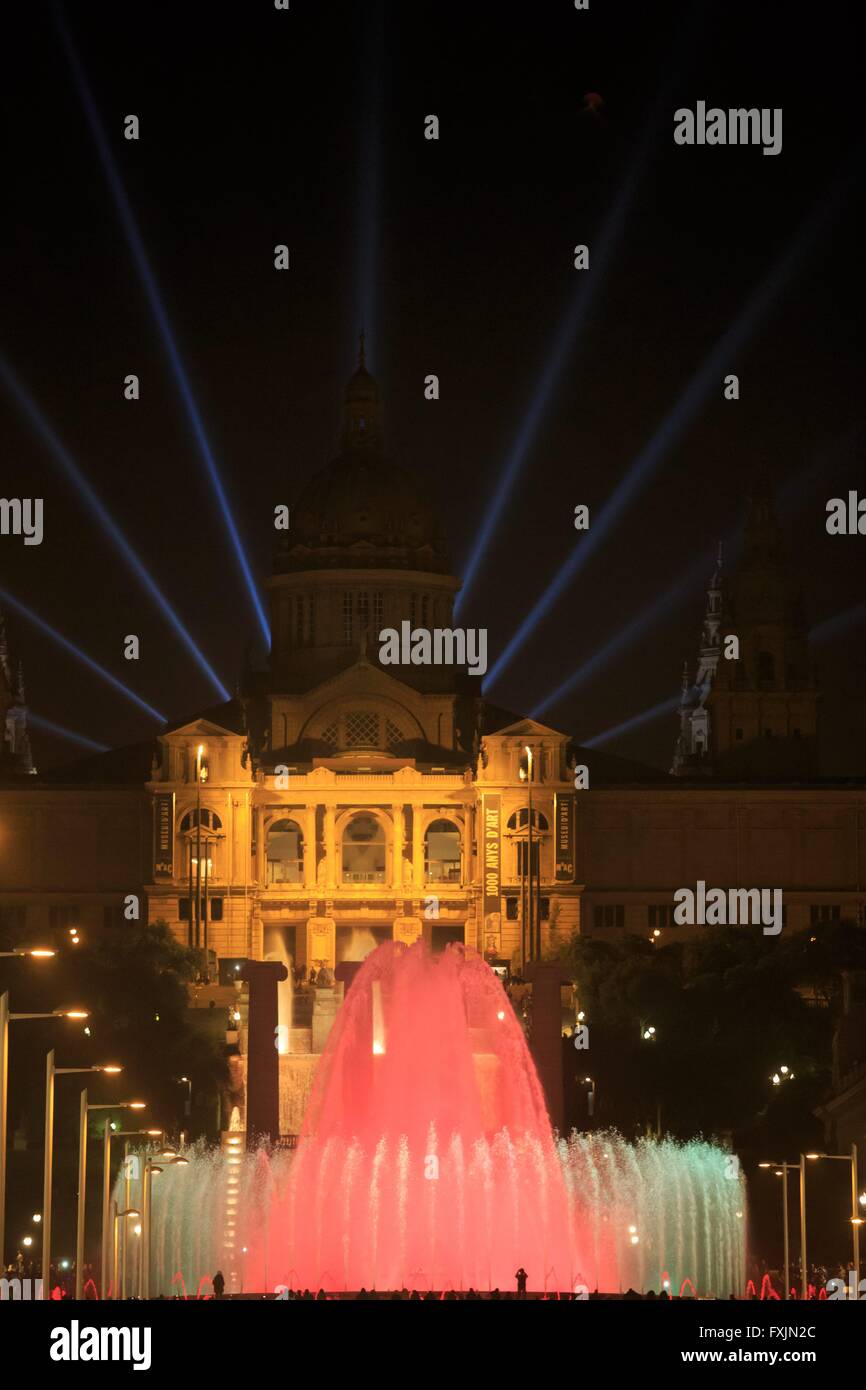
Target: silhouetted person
{"x": 521, "y": 1276}
{"x": 219, "y": 1284}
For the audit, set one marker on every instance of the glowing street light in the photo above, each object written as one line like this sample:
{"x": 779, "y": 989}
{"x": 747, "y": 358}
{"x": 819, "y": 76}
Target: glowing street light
{"x": 35, "y": 952}
{"x": 51, "y": 1071}
{"x": 783, "y": 1074}
{"x": 108, "y": 1135}
{"x": 530, "y": 905}
{"x": 118, "y": 1217}
{"x": 781, "y": 1171}
{"x": 6, "y": 1017}
{"x": 126, "y": 1135}
{"x": 150, "y": 1170}
{"x": 83, "y": 1110}
{"x": 200, "y": 776}
{"x": 855, "y": 1220}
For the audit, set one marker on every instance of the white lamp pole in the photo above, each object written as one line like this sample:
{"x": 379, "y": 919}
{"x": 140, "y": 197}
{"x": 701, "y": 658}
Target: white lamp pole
{"x": 5, "y": 1019}
{"x": 83, "y": 1112}
{"x": 50, "y": 1073}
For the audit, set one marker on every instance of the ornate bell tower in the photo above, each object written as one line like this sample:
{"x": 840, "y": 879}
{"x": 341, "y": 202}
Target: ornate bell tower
{"x": 754, "y": 718}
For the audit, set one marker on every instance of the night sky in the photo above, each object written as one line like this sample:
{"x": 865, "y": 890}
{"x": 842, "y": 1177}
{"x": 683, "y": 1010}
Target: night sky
{"x": 261, "y": 127}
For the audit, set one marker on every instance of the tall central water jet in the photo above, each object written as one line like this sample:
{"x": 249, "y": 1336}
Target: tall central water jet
{"x": 426, "y": 1160}
{"x": 426, "y": 1153}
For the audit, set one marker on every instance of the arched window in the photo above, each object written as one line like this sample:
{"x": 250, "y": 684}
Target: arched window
{"x": 363, "y": 850}
{"x": 361, "y": 730}
{"x": 285, "y": 852}
{"x": 442, "y": 852}
{"x": 209, "y": 820}
{"x": 519, "y": 820}
{"x": 211, "y": 826}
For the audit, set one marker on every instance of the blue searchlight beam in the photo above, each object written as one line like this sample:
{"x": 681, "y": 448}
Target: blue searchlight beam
{"x": 793, "y": 491}
{"x": 645, "y": 717}
{"x": 575, "y": 318}
{"x": 822, "y": 632}
{"x": 707, "y": 378}
{"x": 12, "y": 602}
{"x": 140, "y": 257}
{"x": 50, "y": 727}
{"x": 106, "y": 520}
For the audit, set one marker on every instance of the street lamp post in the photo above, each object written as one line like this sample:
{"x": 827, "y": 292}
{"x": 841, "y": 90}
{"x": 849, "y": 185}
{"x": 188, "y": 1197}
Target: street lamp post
{"x": 5, "y": 1018}
{"x": 84, "y": 1110}
{"x": 787, "y": 1249}
{"x": 199, "y": 752}
{"x": 146, "y": 1199}
{"x": 82, "y": 1189}
{"x": 147, "y": 1172}
{"x": 118, "y": 1216}
{"x": 856, "y": 1219}
{"x": 51, "y": 1071}
{"x": 126, "y": 1135}
{"x": 530, "y": 902}
{"x": 783, "y": 1169}
{"x": 804, "y": 1264}
{"x": 106, "y": 1190}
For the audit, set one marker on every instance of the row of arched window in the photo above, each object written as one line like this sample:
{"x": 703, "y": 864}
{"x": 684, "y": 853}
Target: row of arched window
{"x": 363, "y": 846}
{"x": 362, "y": 852}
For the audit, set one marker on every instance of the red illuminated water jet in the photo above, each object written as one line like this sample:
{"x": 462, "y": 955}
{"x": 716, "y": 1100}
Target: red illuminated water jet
{"x": 426, "y": 1152}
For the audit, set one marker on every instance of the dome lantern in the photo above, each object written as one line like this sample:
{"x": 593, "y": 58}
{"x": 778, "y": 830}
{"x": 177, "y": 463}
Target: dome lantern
{"x": 362, "y": 413}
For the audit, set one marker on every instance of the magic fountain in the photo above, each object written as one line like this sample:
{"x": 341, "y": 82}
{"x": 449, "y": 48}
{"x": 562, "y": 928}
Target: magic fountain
{"x": 426, "y": 1160}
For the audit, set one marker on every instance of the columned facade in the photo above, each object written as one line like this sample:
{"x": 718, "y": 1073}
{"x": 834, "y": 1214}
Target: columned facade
{"x": 342, "y": 802}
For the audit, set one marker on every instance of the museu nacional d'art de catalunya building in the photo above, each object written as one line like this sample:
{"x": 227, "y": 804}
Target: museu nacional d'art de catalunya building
{"x": 341, "y": 802}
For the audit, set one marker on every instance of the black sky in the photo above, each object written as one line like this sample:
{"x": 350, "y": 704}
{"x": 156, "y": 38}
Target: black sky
{"x": 257, "y": 128}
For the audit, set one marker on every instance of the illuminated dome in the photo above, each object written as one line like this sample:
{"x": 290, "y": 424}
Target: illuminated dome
{"x": 362, "y": 511}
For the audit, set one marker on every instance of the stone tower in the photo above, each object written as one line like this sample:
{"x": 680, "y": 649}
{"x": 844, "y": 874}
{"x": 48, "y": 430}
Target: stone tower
{"x": 754, "y": 718}
{"x": 15, "y": 755}
{"x": 693, "y": 754}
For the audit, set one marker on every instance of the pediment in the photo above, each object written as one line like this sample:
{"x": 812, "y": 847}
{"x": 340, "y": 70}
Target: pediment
{"x": 527, "y": 728}
{"x": 362, "y": 679}
{"x": 199, "y": 729}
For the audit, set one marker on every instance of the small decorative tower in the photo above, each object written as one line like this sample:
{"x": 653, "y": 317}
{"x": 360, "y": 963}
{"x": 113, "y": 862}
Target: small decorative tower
{"x": 15, "y": 754}
{"x": 693, "y": 748}
{"x": 764, "y": 707}
{"x": 753, "y": 717}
